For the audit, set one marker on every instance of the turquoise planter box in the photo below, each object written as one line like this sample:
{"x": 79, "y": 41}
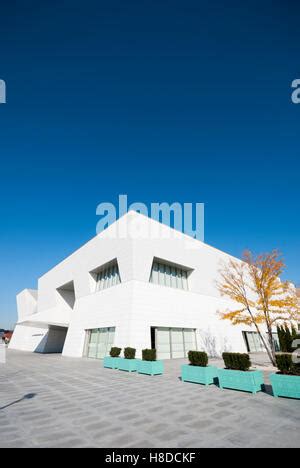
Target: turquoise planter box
{"x": 197, "y": 374}
{"x": 111, "y": 362}
{"x": 129, "y": 365}
{"x": 285, "y": 385}
{"x": 250, "y": 381}
{"x": 150, "y": 367}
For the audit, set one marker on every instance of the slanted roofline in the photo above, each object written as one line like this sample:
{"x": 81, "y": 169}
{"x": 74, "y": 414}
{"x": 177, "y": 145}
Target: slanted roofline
{"x": 135, "y": 214}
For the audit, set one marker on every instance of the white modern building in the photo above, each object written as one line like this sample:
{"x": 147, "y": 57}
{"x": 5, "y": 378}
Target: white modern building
{"x": 139, "y": 283}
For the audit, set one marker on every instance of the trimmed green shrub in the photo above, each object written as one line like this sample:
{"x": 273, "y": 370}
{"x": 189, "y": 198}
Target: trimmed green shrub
{"x": 149, "y": 354}
{"x": 115, "y": 352}
{"x": 129, "y": 353}
{"x": 198, "y": 358}
{"x": 237, "y": 361}
{"x": 285, "y": 364}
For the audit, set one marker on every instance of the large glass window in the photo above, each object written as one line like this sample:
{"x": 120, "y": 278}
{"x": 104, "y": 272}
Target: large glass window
{"x": 107, "y": 277}
{"x": 174, "y": 342}
{"x": 168, "y": 275}
{"x": 189, "y": 338}
{"x": 253, "y": 342}
{"x": 177, "y": 342}
{"x": 99, "y": 342}
{"x": 163, "y": 343}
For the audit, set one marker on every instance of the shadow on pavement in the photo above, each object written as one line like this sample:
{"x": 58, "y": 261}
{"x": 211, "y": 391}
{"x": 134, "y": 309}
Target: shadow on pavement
{"x": 29, "y": 396}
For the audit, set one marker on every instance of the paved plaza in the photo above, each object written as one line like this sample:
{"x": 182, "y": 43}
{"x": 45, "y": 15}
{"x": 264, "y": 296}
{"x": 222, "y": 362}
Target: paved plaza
{"x": 51, "y": 401}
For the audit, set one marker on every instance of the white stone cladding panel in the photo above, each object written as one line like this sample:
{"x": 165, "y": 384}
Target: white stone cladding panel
{"x": 108, "y": 308}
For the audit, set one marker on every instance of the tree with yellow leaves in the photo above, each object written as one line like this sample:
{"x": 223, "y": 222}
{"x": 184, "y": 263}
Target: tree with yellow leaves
{"x": 263, "y": 298}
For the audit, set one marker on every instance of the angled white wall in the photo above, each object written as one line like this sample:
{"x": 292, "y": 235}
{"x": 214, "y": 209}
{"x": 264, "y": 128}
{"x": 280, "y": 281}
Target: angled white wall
{"x": 29, "y": 337}
{"x": 27, "y": 303}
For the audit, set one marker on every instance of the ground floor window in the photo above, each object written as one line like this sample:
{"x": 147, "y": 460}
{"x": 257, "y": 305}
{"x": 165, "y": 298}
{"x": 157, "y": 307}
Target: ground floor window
{"x": 99, "y": 342}
{"x": 254, "y": 342}
{"x": 173, "y": 343}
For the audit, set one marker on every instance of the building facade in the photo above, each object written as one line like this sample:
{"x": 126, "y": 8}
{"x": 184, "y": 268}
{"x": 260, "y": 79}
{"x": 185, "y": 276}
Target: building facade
{"x": 139, "y": 283}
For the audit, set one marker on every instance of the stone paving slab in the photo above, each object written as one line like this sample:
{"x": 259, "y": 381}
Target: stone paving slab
{"x": 77, "y": 403}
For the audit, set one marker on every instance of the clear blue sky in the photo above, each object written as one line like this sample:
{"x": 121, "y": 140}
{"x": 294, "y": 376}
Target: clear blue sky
{"x": 162, "y": 100}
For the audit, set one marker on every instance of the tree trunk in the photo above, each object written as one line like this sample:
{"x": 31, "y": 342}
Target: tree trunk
{"x": 270, "y": 350}
{"x": 271, "y": 344}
